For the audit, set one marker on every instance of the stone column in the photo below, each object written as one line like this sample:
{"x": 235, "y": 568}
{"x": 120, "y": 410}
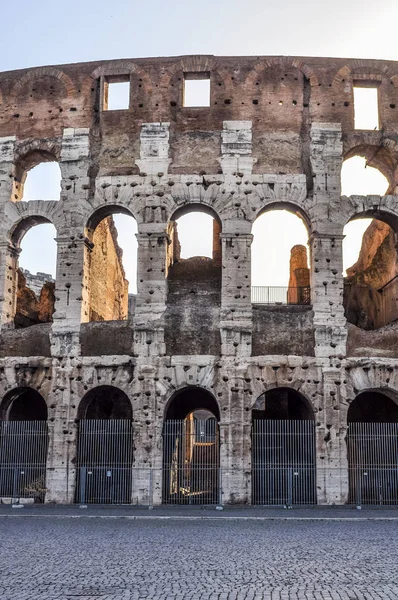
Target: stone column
{"x": 151, "y": 290}
{"x": 71, "y": 292}
{"x": 6, "y": 168}
{"x": 327, "y": 285}
{"x": 8, "y": 283}
{"x": 61, "y": 461}
{"x": 217, "y": 254}
{"x": 236, "y": 307}
{"x": 332, "y": 464}
{"x": 326, "y": 241}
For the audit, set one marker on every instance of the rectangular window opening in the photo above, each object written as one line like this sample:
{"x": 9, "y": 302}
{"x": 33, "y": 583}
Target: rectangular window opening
{"x": 116, "y": 95}
{"x": 196, "y": 90}
{"x": 366, "y": 108}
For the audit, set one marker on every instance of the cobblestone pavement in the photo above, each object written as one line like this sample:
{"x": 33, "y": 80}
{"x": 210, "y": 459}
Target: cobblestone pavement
{"x": 66, "y": 558}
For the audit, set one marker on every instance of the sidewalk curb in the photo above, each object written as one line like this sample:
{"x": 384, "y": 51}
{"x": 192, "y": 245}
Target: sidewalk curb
{"x": 196, "y": 518}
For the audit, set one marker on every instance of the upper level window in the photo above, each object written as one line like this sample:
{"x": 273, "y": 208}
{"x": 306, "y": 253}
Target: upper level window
{"x": 196, "y": 89}
{"x": 366, "y": 108}
{"x": 116, "y": 94}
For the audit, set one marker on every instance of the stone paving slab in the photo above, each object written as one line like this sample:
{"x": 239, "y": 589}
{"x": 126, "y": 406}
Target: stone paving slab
{"x": 233, "y": 559}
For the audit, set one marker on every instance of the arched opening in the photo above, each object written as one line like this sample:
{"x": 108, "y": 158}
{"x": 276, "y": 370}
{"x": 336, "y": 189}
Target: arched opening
{"x": 372, "y": 446}
{"x": 191, "y": 452}
{"x": 369, "y": 253}
{"x": 37, "y": 177}
{"x": 35, "y": 271}
{"x": 105, "y": 447}
{"x": 279, "y": 258}
{"x": 283, "y": 449}
{"x": 193, "y": 281}
{"x": 112, "y": 264}
{"x": 23, "y": 445}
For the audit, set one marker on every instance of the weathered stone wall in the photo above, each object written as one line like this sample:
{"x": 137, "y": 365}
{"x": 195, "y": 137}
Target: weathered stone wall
{"x": 274, "y": 136}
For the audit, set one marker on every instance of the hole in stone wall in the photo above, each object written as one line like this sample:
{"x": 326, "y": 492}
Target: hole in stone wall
{"x": 35, "y": 276}
{"x": 43, "y": 182}
{"x": 113, "y": 268}
{"x": 366, "y": 110}
{"x": 280, "y": 273}
{"x": 116, "y": 95}
{"x": 196, "y": 90}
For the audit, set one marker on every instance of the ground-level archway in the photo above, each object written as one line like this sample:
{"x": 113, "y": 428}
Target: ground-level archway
{"x": 105, "y": 447}
{"x": 372, "y": 447}
{"x": 283, "y": 449}
{"x": 23, "y": 445}
{"x": 191, "y": 448}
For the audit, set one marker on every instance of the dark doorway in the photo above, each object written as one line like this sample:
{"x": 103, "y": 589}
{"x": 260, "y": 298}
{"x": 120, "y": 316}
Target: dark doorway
{"x": 23, "y": 445}
{"x": 283, "y": 449}
{"x": 191, "y": 453}
{"x": 105, "y": 447}
{"x": 372, "y": 446}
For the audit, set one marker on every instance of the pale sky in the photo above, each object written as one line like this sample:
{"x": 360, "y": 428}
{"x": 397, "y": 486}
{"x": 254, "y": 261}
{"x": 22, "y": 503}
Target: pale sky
{"x": 49, "y": 32}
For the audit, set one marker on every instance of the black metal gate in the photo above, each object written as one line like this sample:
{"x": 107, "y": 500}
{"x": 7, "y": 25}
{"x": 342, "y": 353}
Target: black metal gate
{"x": 373, "y": 463}
{"x": 23, "y": 458}
{"x": 283, "y": 462}
{"x": 191, "y": 461}
{"x": 104, "y": 462}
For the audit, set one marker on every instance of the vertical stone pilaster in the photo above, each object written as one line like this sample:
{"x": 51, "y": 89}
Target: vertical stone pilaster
{"x": 236, "y": 307}
{"x": 236, "y": 148}
{"x": 332, "y": 464}
{"x": 6, "y": 168}
{"x": 8, "y": 283}
{"x": 72, "y": 289}
{"x": 154, "y": 148}
{"x": 151, "y": 290}
{"x": 327, "y": 286}
{"x": 326, "y": 242}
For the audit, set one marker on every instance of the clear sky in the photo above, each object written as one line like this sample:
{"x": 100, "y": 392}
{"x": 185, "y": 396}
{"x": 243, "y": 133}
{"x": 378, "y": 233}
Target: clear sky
{"x": 47, "y": 32}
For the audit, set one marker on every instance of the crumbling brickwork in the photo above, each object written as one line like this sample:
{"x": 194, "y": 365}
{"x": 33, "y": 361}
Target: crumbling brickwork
{"x": 274, "y": 136}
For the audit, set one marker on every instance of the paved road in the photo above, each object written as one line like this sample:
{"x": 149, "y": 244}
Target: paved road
{"x": 50, "y": 558}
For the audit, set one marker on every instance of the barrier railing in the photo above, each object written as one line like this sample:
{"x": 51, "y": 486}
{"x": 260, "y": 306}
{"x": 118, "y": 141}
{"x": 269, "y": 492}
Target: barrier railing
{"x": 280, "y": 295}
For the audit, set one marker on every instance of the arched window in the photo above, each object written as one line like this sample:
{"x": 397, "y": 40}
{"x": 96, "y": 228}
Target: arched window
{"x": 283, "y": 449}
{"x": 43, "y": 182}
{"x": 23, "y": 445}
{"x": 279, "y": 260}
{"x": 105, "y": 447}
{"x": 372, "y": 446}
{"x": 112, "y": 265}
{"x": 191, "y": 455}
{"x": 34, "y": 272}
{"x": 369, "y": 253}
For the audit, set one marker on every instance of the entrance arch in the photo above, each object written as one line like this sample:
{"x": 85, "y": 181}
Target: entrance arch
{"x": 283, "y": 449}
{"x": 104, "y": 447}
{"x": 372, "y": 447}
{"x": 191, "y": 448}
{"x": 23, "y": 445}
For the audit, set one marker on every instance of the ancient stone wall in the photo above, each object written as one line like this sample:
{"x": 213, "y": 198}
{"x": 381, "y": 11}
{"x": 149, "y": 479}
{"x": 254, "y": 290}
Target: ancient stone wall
{"x": 274, "y": 136}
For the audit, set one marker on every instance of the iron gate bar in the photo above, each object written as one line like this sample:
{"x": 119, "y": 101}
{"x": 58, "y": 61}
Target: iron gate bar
{"x": 23, "y": 459}
{"x": 283, "y": 462}
{"x": 191, "y": 461}
{"x": 372, "y": 450}
{"x": 104, "y": 461}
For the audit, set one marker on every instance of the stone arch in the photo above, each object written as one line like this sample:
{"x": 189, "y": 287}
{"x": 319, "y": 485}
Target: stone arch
{"x": 382, "y": 208}
{"x": 107, "y": 210}
{"x": 32, "y": 153}
{"x": 201, "y": 398}
{"x": 180, "y": 210}
{"x": 384, "y": 158}
{"x": 123, "y": 67}
{"x": 32, "y": 74}
{"x": 295, "y": 209}
{"x": 371, "y": 69}
{"x": 105, "y": 402}
{"x": 23, "y": 404}
{"x": 374, "y": 405}
{"x": 28, "y": 220}
{"x": 298, "y": 406}
{"x": 282, "y": 61}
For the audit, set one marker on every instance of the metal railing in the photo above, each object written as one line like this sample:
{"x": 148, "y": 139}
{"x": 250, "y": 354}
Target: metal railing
{"x": 23, "y": 458}
{"x": 373, "y": 463}
{"x": 280, "y": 295}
